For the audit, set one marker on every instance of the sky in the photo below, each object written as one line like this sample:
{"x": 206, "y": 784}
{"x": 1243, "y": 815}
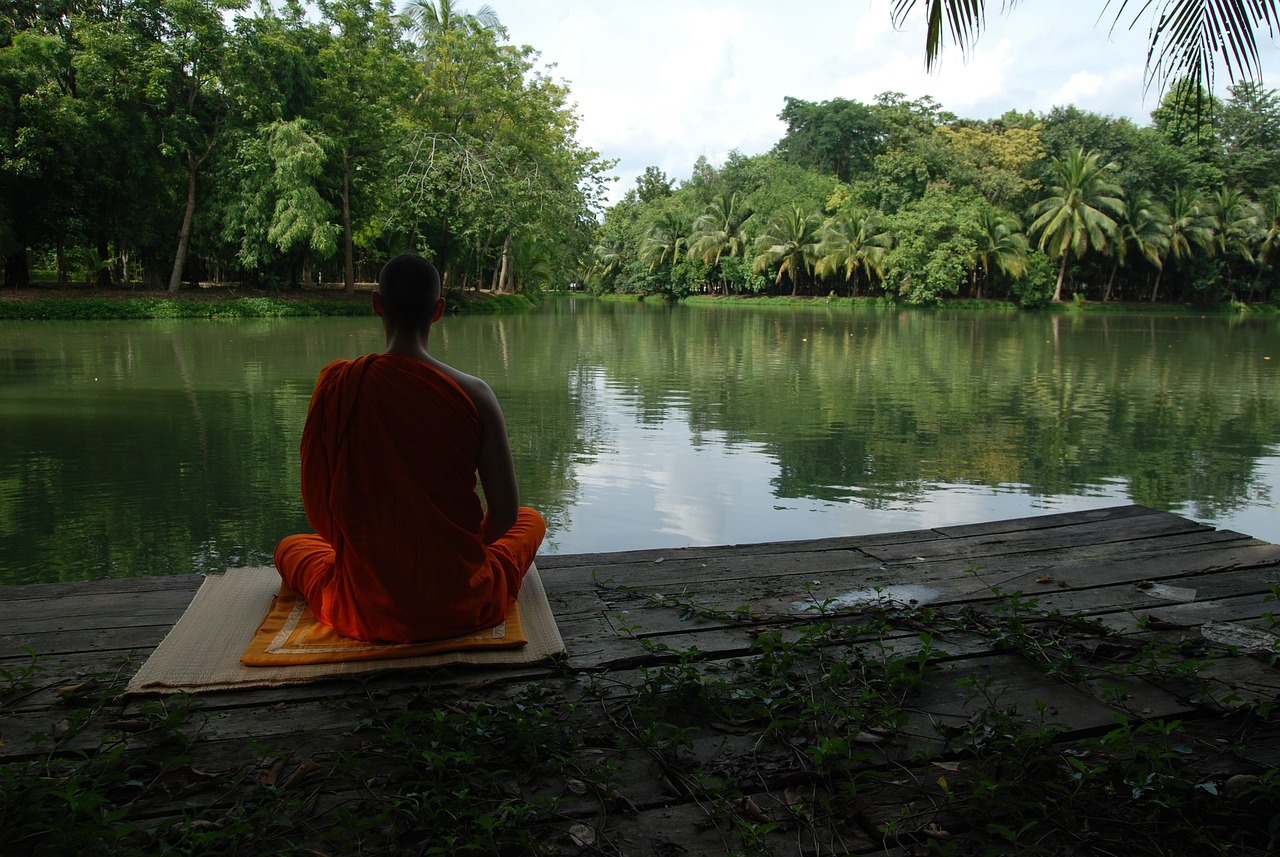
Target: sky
{"x": 661, "y": 82}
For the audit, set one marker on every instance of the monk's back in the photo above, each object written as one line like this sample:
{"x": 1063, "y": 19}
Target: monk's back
{"x": 389, "y": 459}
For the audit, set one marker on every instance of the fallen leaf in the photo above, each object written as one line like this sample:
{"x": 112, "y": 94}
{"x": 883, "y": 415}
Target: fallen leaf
{"x": 1044, "y": 580}
{"x": 578, "y": 787}
{"x": 582, "y": 835}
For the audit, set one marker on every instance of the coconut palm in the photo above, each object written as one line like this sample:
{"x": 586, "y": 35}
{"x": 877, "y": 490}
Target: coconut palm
{"x": 1144, "y": 228}
{"x": 609, "y": 257}
{"x": 851, "y": 242}
{"x": 1001, "y": 242}
{"x": 430, "y": 19}
{"x": 1266, "y": 237}
{"x": 1190, "y": 228}
{"x": 1080, "y": 211}
{"x": 666, "y": 240}
{"x": 719, "y": 230}
{"x": 791, "y": 242}
{"x": 1234, "y": 217}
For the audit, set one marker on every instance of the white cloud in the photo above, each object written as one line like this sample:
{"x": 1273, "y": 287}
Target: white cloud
{"x": 663, "y": 82}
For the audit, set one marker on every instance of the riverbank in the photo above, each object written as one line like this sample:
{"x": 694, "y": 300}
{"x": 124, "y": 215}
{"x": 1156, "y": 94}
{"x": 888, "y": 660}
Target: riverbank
{"x": 70, "y": 304}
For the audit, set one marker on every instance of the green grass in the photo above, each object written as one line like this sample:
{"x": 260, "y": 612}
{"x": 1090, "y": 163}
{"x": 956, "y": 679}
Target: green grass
{"x": 105, "y": 307}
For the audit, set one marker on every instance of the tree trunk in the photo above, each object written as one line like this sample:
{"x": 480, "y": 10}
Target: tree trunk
{"x": 1156, "y": 286}
{"x": 503, "y": 269}
{"x": 60, "y": 262}
{"x": 1111, "y": 281}
{"x": 1062, "y": 275}
{"x": 184, "y": 234}
{"x": 348, "y": 245}
{"x": 16, "y": 273}
{"x": 104, "y": 263}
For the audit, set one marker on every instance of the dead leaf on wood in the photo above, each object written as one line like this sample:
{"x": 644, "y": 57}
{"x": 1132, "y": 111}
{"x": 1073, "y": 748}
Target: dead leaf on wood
{"x": 751, "y": 808}
{"x": 1044, "y": 580}
{"x": 63, "y": 727}
{"x": 582, "y": 835}
{"x": 305, "y": 768}
{"x": 1254, "y": 641}
{"x": 953, "y": 767}
{"x": 872, "y": 736}
{"x": 272, "y": 773}
{"x": 578, "y": 787}
{"x": 933, "y": 831}
{"x": 70, "y": 691}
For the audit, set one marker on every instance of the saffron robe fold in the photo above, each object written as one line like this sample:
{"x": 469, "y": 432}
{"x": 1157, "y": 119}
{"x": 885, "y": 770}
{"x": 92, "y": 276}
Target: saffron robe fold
{"x": 389, "y": 456}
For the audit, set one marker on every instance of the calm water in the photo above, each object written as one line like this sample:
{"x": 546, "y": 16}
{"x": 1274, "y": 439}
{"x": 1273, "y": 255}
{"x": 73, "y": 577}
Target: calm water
{"x": 163, "y": 447}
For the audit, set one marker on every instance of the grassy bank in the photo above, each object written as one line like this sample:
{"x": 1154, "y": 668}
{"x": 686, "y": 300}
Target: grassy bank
{"x": 41, "y": 305}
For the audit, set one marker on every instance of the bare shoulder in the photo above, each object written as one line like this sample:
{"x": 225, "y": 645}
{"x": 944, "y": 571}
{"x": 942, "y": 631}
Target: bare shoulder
{"x": 479, "y": 391}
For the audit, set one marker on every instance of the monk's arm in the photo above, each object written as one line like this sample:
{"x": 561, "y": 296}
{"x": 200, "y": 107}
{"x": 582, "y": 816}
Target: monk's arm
{"x": 497, "y": 470}
{"x": 316, "y": 467}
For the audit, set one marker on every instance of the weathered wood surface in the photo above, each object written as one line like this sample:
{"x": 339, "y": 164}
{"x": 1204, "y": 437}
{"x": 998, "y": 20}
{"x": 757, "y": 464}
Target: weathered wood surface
{"x": 1117, "y": 578}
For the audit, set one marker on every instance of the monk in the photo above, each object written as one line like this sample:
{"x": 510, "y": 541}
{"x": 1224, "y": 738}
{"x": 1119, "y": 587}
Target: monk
{"x": 404, "y": 550}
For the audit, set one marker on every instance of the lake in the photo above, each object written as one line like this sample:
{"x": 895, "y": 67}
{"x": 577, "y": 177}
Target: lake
{"x": 165, "y": 447}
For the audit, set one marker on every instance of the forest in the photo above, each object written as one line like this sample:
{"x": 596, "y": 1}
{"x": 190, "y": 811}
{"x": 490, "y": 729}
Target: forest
{"x": 903, "y": 200}
{"x": 171, "y": 141}
{"x": 163, "y": 142}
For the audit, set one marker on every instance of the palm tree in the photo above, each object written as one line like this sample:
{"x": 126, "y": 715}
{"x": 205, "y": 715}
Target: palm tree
{"x": 1144, "y": 228}
{"x": 1190, "y": 228}
{"x": 430, "y": 19}
{"x": 854, "y": 241}
{"x": 1235, "y": 217}
{"x": 718, "y": 230}
{"x": 610, "y": 256}
{"x": 1079, "y": 213}
{"x": 1266, "y": 237}
{"x": 1000, "y": 241}
{"x": 1187, "y": 36}
{"x": 790, "y": 242}
{"x": 665, "y": 241}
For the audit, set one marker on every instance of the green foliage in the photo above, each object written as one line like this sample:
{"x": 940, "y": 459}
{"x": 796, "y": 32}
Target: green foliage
{"x": 55, "y": 309}
{"x": 1035, "y": 288}
{"x": 937, "y": 240}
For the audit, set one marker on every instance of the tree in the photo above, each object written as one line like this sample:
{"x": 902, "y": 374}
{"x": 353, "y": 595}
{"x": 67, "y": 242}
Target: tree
{"x": 1190, "y": 227}
{"x": 282, "y": 209}
{"x": 362, "y": 71}
{"x": 1144, "y": 228}
{"x": 1234, "y": 219}
{"x": 791, "y": 242}
{"x": 718, "y": 230}
{"x": 852, "y": 242}
{"x": 837, "y": 137}
{"x": 1079, "y": 212}
{"x": 666, "y": 240}
{"x": 184, "y": 70}
{"x": 433, "y": 18}
{"x": 1000, "y": 243}
{"x": 1249, "y": 125}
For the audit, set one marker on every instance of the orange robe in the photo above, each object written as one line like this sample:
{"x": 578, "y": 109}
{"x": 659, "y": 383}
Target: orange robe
{"x": 389, "y": 456}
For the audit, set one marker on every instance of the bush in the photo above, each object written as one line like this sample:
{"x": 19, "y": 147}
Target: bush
{"x": 1036, "y": 288}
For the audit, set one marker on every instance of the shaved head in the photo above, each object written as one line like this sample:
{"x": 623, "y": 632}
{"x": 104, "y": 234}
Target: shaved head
{"x": 409, "y": 287}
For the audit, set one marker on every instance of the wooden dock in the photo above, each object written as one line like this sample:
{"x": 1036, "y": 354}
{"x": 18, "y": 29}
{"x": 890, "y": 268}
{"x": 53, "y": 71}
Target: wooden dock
{"x": 1096, "y": 682}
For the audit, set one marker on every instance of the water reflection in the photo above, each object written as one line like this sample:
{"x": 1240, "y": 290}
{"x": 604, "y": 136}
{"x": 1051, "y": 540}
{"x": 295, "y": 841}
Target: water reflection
{"x": 155, "y": 448}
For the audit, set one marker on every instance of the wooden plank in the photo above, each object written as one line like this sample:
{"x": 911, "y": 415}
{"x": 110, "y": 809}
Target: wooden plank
{"x": 121, "y": 585}
{"x": 1048, "y": 521}
{"x": 1107, "y": 530}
